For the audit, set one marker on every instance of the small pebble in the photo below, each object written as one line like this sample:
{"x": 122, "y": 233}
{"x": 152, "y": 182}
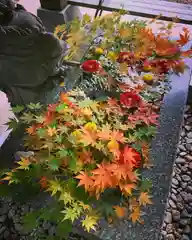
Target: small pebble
{"x": 172, "y": 204}
{"x": 176, "y": 215}
{"x": 175, "y": 181}
{"x": 168, "y": 217}
{"x": 180, "y": 160}
{"x": 186, "y": 178}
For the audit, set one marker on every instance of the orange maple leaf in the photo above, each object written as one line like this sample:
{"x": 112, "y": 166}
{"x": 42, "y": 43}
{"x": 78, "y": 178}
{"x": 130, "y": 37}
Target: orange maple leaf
{"x": 102, "y": 177}
{"x": 85, "y": 180}
{"x": 184, "y": 38}
{"x": 85, "y": 157}
{"x": 31, "y": 130}
{"x": 118, "y": 136}
{"x": 144, "y": 199}
{"x": 121, "y": 212}
{"x": 104, "y": 133}
{"x": 122, "y": 172}
{"x": 135, "y": 216}
{"x": 127, "y": 188}
{"x": 51, "y": 131}
{"x": 88, "y": 137}
{"x": 145, "y": 152}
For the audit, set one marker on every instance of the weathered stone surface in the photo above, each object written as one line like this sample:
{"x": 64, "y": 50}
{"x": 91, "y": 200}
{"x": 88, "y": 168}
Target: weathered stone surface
{"x": 170, "y": 237}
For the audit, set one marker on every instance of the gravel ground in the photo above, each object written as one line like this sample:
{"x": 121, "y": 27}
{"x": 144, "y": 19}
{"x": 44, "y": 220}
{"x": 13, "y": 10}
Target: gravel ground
{"x": 11, "y": 217}
{"x": 177, "y": 223}
{"x": 181, "y": 1}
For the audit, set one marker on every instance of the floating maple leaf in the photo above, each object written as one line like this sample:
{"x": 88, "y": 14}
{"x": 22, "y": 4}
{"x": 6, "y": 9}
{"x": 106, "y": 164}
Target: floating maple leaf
{"x": 144, "y": 199}
{"x": 121, "y": 212}
{"x": 135, "y": 216}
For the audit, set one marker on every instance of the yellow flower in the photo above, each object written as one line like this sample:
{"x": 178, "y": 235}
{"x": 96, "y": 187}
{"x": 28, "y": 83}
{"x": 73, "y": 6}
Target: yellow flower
{"x": 91, "y": 126}
{"x": 147, "y": 68}
{"x": 99, "y": 51}
{"x": 112, "y": 56}
{"x": 113, "y": 145}
{"x": 148, "y": 77}
{"x": 76, "y": 134}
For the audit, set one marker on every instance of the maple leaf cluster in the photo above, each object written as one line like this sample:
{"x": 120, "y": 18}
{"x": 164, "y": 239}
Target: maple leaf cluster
{"x": 89, "y": 154}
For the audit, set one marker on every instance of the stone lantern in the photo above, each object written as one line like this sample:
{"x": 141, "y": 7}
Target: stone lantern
{"x": 56, "y": 12}
{"x": 55, "y": 5}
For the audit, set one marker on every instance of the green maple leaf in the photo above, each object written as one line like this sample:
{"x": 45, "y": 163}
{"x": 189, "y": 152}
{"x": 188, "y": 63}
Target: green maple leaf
{"x": 17, "y": 109}
{"x": 58, "y": 139}
{"x": 88, "y": 103}
{"x": 146, "y": 185}
{"x": 34, "y": 106}
{"x": 30, "y": 220}
{"x": 63, "y": 153}
{"x": 71, "y": 214}
{"x": 63, "y": 229}
{"x": 54, "y": 164}
{"x": 39, "y": 119}
{"x": 61, "y": 107}
{"x": 54, "y": 187}
{"x": 41, "y": 132}
{"x": 66, "y": 198}
{"x": 12, "y": 124}
{"x": 27, "y": 118}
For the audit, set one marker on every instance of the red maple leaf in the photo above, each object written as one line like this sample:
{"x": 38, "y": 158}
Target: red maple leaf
{"x": 43, "y": 182}
{"x": 130, "y": 156}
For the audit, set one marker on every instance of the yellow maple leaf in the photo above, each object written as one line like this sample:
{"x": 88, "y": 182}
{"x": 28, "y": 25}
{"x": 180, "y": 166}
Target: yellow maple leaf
{"x": 24, "y": 164}
{"x": 84, "y": 206}
{"x": 66, "y": 198}
{"x": 54, "y": 187}
{"x": 123, "y": 68}
{"x": 90, "y": 222}
{"x": 144, "y": 199}
{"x": 125, "y": 33}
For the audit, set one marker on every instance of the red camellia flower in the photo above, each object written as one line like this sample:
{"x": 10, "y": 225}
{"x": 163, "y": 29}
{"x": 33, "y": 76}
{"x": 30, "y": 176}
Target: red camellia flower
{"x": 125, "y": 57}
{"x": 90, "y": 66}
{"x": 130, "y": 99}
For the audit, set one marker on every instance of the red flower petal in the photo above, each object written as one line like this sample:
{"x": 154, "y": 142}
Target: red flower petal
{"x": 90, "y": 66}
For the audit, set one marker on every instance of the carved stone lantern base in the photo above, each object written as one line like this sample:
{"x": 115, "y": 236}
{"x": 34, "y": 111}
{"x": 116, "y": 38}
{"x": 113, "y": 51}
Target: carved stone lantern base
{"x": 54, "y": 5}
